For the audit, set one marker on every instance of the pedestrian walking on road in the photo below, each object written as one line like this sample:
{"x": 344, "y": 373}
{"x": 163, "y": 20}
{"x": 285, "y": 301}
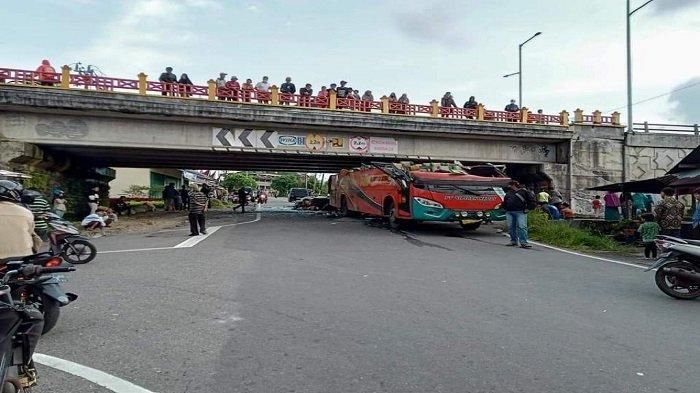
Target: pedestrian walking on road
{"x": 669, "y": 213}
{"x": 516, "y": 203}
{"x": 198, "y": 206}
{"x": 242, "y": 199}
{"x": 649, "y": 230}
{"x": 185, "y": 196}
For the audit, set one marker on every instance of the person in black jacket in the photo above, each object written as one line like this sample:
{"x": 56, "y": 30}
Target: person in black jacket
{"x": 169, "y": 79}
{"x": 287, "y": 89}
{"x": 516, "y": 203}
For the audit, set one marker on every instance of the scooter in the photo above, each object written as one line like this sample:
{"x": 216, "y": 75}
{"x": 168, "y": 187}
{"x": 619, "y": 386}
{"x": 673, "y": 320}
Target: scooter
{"x": 21, "y": 324}
{"x": 47, "y": 295}
{"x": 67, "y": 241}
{"x": 678, "y": 267}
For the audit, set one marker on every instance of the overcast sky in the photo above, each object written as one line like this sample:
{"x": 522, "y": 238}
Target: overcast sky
{"x": 422, "y": 48}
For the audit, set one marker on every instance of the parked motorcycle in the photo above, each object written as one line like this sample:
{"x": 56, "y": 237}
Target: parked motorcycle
{"x": 47, "y": 295}
{"x": 678, "y": 267}
{"x": 67, "y": 241}
{"x": 21, "y": 324}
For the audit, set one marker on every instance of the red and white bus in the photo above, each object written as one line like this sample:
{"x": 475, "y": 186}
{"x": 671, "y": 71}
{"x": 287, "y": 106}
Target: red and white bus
{"x": 403, "y": 193}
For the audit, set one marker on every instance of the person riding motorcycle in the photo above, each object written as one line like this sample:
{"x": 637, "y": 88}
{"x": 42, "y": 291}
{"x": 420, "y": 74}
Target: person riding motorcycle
{"x": 17, "y": 229}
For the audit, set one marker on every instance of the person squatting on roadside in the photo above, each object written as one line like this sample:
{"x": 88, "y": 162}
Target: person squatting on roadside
{"x": 669, "y": 213}
{"x": 516, "y": 203}
{"x": 198, "y": 206}
{"x": 17, "y": 231}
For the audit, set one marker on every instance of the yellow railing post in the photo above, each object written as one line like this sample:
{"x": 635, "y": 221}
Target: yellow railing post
{"x": 211, "y": 89}
{"x": 332, "y": 99}
{"x": 616, "y": 118}
{"x": 564, "y": 118}
{"x": 597, "y": 117}
{"x": 578, "y": 115}
{"x": 275, "y": 95}
{"x": 385, "y": 104}
{"x": 434, "y": 108}
{"x": 143, "y": 83}
{"x": 480, "y": 112}
{"x": 524, "y": 114}
{"x": 65, "y": 77}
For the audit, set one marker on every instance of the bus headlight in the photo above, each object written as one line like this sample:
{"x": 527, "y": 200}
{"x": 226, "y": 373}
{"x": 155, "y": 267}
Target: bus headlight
{"x": 479, "y": 214}
{"x": 427, "y": 202}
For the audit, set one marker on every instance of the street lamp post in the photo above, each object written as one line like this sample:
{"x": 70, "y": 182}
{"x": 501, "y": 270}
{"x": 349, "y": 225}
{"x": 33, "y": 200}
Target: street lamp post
{"x": 630, "y": 124}
{"x": 520, "y": 68}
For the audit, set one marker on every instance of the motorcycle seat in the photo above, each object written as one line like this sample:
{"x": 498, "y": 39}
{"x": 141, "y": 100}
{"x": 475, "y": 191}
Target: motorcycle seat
{"x": 690, "y": 249}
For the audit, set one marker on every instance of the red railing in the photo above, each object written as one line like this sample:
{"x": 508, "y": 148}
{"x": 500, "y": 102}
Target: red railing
{"x": 25, "y": 77}
{"x": 103, "y": 83}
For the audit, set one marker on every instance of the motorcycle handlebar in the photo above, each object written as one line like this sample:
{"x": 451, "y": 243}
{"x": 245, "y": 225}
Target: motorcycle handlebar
{"x": 35, "y": 270}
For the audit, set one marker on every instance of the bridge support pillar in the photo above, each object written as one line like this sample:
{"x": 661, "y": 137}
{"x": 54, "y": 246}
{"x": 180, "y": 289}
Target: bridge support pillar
{"x": 480, "y": 112}
{"x": 524, "y": 114}
{"x": 143, "y": 83}
{"x": 65, "y": 77}
{"x": 564, "y": 118}
{"x": 275, "y": 95}
{"x": 434, "y": 108}
{"x": 385, "y": 104}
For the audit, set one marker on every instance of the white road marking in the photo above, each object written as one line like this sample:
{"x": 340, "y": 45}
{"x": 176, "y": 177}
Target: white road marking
{"x": 194, "y": 240}
{"x": 191, "y": 242}
{"x": 589, "y": 256}
{"x": 97, "y": 377}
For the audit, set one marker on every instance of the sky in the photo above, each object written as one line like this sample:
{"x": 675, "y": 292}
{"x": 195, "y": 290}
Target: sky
{"x": 422, "y": 48}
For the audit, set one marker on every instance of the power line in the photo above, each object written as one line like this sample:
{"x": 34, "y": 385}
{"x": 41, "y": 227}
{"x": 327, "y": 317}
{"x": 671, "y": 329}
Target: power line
{"x": 658, "y": 96}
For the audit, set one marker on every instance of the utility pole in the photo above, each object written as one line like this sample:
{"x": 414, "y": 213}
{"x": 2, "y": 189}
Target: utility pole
{"x": 520, "y": 68}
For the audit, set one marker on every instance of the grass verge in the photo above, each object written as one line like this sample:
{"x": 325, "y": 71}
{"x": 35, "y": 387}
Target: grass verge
{"x": 562, "y": 234}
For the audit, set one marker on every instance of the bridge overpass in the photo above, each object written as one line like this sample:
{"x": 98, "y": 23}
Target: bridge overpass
{"x": 92, "y": 121}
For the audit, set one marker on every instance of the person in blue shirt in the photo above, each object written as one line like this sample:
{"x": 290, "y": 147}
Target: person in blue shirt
{"x": 552, "y": 211}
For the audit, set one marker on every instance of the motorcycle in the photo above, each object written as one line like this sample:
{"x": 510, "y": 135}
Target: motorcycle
{"x": 47, "y": 295}
{"x": 262, "y": 199}
{"x": 21, "y": 324}
{"x": 678, "y": 267}
{"x": 67, "y": 241}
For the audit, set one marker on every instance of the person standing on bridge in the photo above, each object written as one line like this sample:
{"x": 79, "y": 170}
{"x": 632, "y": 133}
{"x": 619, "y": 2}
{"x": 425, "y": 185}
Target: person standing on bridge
{"x": 168, "y": 80}
{"x": 247, "y": 89}
{"x": 512, "y": 110}
{"x": 516, "y": 203}
{"x": 287, "y": 89}
{"x": 447, "y": 101}
{"x": 185, "y": 85}
{"x": 221, "y": 86}
{"x": 262, "y": 89}
{"x": 198, "y": 206}
{"x": 233, "y": 88}
{"x": 403, "y": 100}
{"x": 367, "y": 98}
{"x": 47, "y": 74}
{"x": 471, "y": 104}
{"x": 305, "y": 92}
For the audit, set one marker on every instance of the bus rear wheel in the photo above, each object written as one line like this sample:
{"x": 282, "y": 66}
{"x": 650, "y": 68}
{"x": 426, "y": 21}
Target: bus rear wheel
{"x": 390, "y": 211}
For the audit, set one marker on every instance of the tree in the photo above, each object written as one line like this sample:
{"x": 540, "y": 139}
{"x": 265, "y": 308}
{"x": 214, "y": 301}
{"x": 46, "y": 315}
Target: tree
{"x": 137, "y": 190}
{"x": 285, "y": 182}
{"x": 234, "y": 181}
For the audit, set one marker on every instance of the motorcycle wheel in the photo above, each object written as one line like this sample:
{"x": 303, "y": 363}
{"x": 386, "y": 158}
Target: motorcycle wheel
{"x": 675, "y": 287}
{"x": 51, "y": 310}
{"x": 78, "y": 251}
{"x": 8, "y": 387}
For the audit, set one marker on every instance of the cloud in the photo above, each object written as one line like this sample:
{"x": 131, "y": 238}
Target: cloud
{"x": 685, "y": 101}
{"x": 668, "y": 6}
{"x": 253, "y": 8}
{"x": 437, "y": 24}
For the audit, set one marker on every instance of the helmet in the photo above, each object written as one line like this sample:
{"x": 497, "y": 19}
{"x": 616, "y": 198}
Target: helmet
{"x": 28, "y": 196}
{"x": 10, "y": 191}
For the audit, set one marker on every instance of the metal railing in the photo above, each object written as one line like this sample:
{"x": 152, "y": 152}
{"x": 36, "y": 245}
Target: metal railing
{"x": 246, "y": 94}
{"x": 667, "y": 128}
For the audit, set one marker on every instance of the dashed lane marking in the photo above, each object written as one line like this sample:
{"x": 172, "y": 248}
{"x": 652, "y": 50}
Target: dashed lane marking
{"x": 95, "y": 376}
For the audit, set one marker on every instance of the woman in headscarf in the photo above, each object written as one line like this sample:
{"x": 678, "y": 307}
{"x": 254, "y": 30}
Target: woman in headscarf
{"x": 392, "y": 101}
{"x": 404, "y": 101}
{"x": 612, "y": 206}
{"x": 185, "y": 85}
{"x": 366, "y": 99}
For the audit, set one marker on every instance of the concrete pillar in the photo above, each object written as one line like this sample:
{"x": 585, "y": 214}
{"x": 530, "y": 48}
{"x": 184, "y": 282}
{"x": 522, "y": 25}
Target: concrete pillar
{"x": 275, "y": 95}
{"x": 597, "y": 117}
{"x": 143, "y": 84}
{"x": 65, "y": 77}
{"x": 616, "y": 118}
{"x": 564, "y": 118}
{"x": 333, "y": 99}
{"x": 578, "y": 115}
{"x": 480, "y": 112}
{"x": 211, "y": 89}
{"x": 524, "y": 114}
{"x": 434, "y": 108}
{"x": 385, "y": 104}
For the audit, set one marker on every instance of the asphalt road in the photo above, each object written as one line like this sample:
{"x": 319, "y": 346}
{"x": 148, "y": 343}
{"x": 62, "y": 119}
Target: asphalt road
{"x": 304, "y": 303}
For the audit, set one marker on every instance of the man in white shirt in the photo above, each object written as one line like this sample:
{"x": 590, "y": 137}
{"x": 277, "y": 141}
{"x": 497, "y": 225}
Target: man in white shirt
{"x": 17, "y": 231}
{"x": 262, "y": 91}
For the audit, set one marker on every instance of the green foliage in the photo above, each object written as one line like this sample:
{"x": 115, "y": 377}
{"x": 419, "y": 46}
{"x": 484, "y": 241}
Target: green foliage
{"x": 562, "y": 234}
{"x": 285, "y": 182}
{"x": 234, "y": 181}
{"x": 136, "y": 190}
{"x": 40, "y": 181}
{"x": 219, "y": 204}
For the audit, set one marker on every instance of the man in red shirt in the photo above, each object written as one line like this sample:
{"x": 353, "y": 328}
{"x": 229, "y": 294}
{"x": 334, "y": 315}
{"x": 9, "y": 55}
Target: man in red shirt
{"x": 234, "y": 88}
{"x": 47, "y": 74}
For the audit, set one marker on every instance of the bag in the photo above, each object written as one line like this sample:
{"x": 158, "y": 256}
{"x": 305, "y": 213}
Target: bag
{"x": 529, "y": 202}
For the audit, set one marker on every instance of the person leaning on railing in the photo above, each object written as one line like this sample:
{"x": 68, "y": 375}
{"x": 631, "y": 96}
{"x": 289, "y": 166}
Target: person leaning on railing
{"x": 287, "y": 90}
{"x": 305, "y": 94}
{"x": 447, "y": 101}
{"x": 471, "y": 104}
{"x": 367, "y": 99}
{"x": 247, "y": 88}
{"x": 185, "y": 85}
{"x": 46, "y": 73}
{"x": 403, "y": 100}
{"x": 233, "y": 88}
{"x": 168, "y": 80}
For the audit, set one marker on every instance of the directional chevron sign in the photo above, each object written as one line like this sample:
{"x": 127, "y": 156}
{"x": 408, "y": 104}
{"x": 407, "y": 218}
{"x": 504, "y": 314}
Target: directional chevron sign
{"x": 244, "y": 137}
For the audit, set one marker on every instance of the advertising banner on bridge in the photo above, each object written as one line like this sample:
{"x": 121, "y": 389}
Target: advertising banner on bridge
{"x": 381, "y": 145}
